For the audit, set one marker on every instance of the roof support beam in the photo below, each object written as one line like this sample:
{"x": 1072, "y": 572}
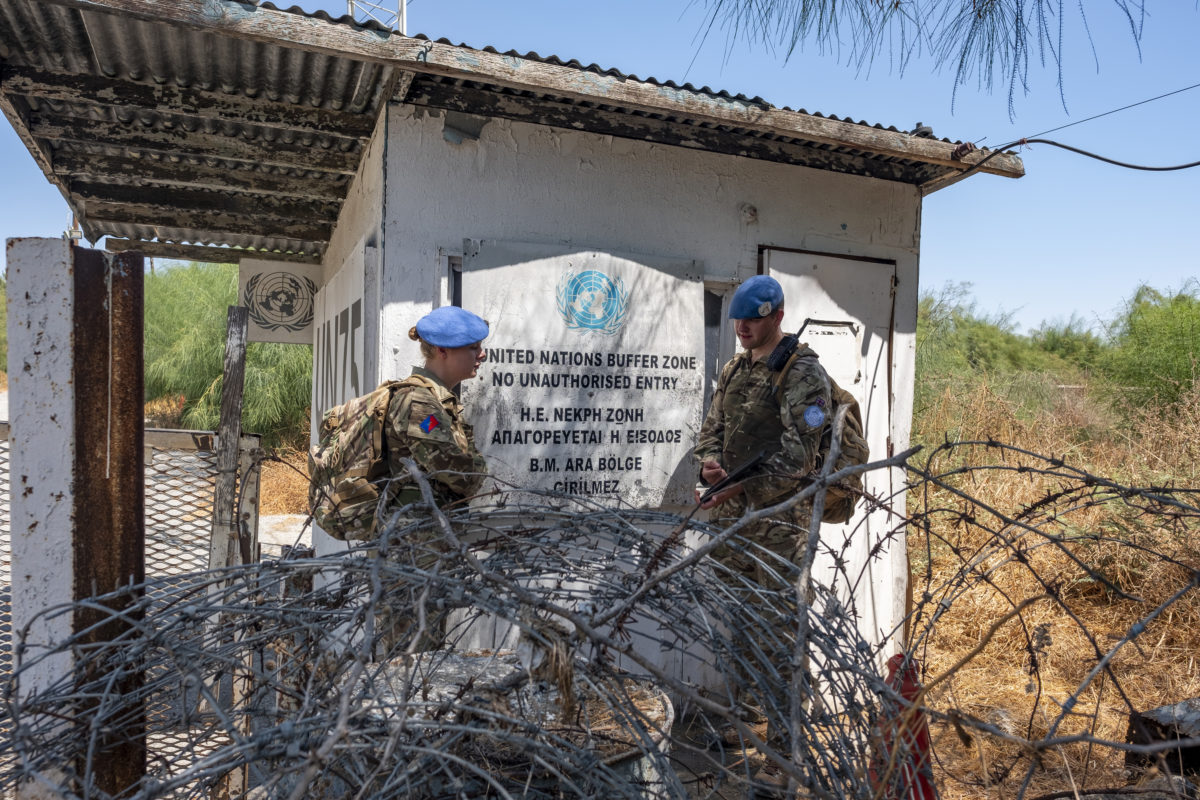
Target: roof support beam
{"x": 294, "y": 155}
{"x": 167, "y": 98}
{"x": 146, "y": 168}
{"x": 191, "y": 252}
{"x": 201, "y": 200}
{"x": 238, "y": 20}
{"x": 212, "y": 223}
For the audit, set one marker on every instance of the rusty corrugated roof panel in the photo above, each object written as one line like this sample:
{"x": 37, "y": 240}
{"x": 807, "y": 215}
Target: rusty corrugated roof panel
{"x": 185, "y": 134}
{"x": 227, "y": 124}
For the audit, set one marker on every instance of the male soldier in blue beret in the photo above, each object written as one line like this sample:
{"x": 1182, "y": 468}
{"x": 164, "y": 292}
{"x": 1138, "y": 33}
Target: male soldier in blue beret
{"x": 758, "y": 415}
{"x": 750, "y": 417}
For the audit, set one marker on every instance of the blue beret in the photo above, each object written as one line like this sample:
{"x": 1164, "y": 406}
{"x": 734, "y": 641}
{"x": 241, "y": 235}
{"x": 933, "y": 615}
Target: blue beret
{"x": 755, "y": 298}
{"x": 451, "y": 326}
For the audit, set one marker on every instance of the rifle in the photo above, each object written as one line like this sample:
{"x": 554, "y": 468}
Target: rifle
{"x": 735, "y": 476}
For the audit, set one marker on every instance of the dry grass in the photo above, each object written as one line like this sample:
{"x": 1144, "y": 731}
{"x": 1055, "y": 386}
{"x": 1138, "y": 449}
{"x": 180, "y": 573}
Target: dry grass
{"x": 283, "y": 486}
{"x": 1012, "y": 675}
{"x": 164, "y": 412}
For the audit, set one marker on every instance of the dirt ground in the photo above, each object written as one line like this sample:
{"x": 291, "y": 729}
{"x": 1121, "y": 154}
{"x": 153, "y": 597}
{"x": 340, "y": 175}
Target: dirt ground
{"x": 283, "y": 487}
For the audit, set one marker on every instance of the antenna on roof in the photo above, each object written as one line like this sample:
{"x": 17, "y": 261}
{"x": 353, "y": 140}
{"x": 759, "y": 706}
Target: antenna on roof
{"x": 392, "y": 13}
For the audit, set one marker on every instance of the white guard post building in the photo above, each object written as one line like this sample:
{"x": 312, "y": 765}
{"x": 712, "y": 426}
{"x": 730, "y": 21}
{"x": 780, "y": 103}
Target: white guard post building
{"x": 598, "y": 221}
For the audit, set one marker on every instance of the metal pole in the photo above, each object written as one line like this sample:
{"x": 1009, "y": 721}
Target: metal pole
{"x": 77, "y": 513}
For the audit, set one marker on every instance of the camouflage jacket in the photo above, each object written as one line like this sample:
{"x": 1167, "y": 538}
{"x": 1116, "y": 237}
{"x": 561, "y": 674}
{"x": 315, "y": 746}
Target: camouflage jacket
{"x": 424, "y": 423}
{"x": 745, "y": 418}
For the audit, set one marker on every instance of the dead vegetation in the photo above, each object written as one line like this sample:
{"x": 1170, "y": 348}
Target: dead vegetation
{"x": 1062, "y": 598}
{"x": 283, "y": 483}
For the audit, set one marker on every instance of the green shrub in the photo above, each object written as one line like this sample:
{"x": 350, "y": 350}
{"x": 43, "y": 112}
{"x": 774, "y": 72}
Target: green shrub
{"x": 186, "y": 317}
{"x": 957, "y": 347}
{"x": 1154, "y": 346}
{"x": 1072, "y": 341}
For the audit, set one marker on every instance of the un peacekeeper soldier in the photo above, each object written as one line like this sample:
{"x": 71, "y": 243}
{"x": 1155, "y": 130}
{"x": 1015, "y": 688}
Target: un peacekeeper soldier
{"x": 425, "y": 423}
{"x": 746, "y": 419}
{"x": 749, "y": 419}
{"x": 425, "y": 417}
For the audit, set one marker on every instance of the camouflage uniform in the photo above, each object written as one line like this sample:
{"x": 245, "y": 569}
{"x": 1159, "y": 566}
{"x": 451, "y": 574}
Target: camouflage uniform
{"x": 745, "y": 419}
{"x": 425, "y": 424}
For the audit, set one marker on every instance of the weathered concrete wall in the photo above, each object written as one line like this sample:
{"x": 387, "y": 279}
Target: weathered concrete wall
{"x": 361, "y": 217}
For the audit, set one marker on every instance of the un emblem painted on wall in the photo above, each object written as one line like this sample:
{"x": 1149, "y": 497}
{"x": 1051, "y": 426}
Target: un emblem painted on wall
{"x": 592, "y": 301}
{"x": 280, "y": 300}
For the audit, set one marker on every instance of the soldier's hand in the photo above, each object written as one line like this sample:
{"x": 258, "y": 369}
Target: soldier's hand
{"x": 711, "y": 472}
{"x": 721, "y": 496}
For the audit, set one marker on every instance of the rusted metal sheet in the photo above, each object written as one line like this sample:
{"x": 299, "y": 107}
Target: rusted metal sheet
{"x": 210, "y": 255}
{"x": 109, "y": 542}
{"x": 138, "y": 168}
{"x": 253, "y": 100}
{"x": 185, "y": 101}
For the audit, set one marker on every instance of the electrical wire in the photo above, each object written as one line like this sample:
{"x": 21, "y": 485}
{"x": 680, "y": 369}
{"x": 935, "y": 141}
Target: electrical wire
{"x": 1035, "y": 139}
{"x": 1115, "y": 110}
{"x": 1078, "y": 150}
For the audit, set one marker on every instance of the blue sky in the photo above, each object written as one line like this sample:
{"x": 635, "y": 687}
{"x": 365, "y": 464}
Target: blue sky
{"x": 1073, "y": 237}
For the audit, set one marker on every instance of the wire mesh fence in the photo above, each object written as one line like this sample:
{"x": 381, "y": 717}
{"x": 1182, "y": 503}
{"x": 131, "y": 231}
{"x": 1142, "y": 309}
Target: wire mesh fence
{"x": 180, "y": 474}
{"x": 548, "y": 646}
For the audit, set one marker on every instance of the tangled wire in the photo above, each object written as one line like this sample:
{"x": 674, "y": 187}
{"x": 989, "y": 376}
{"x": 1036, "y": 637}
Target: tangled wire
{"x": 547, "y": 646}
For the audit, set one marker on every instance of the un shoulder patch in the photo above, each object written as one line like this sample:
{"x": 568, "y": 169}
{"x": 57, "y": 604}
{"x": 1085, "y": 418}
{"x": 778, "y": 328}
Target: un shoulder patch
{"x": 814, "y": 416}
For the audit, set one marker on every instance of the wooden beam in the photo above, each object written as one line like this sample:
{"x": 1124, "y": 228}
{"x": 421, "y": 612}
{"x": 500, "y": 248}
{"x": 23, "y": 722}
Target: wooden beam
{"x": 188, "y": 102}
{"x": 214, "y": 224}
{"x": 234, "y": 19}
{"x": 181, "y": 142}
{"x": 143, "y": 168}
{"x": 194, "y": 252}
{"x": 202, "y": 200}
{"x": 400, "y": 91}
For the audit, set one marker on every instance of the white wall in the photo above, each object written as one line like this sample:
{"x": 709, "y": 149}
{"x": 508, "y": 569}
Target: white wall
{"x": 520, "y": 182}
{"x": 361, "y": 218}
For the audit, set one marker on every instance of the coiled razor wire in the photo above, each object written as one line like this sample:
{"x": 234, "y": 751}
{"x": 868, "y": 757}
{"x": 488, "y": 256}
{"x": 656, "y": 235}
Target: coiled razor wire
{"x": 578, "y": 650}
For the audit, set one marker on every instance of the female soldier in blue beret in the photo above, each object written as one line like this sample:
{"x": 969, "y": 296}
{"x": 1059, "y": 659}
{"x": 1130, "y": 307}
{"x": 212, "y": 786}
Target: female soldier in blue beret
{"x": 425, "y": 417}
{"x": 425, "y": 423}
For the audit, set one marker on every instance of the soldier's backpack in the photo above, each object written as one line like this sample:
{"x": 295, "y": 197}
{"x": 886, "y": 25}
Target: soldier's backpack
{"x": 841, "y": 497}
{"x": 348, "y": 467}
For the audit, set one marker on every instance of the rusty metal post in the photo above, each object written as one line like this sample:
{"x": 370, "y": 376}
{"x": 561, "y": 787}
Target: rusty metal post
{"x": 75, "y": 333}
{"x": 110, "y": 541}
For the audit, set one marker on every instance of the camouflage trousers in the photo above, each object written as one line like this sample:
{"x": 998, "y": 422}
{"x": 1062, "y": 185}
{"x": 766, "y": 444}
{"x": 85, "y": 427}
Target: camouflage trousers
{"x": 764, "y": 578}
{"x": 412, "y": 614}
{"x": 784, "y": 535}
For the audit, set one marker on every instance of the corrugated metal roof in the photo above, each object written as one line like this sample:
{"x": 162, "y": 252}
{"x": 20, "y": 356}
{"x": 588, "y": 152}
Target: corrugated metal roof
{"x": 226, "y": 124}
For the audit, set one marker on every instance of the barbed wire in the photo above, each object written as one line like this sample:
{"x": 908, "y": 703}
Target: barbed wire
{"x": 545, "y": 646}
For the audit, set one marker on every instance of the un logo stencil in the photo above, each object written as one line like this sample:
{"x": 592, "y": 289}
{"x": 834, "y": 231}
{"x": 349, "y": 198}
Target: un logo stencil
{"x": 591, "y": 300}
{"x": 280, "y": 300}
